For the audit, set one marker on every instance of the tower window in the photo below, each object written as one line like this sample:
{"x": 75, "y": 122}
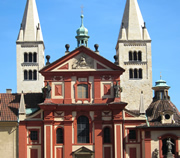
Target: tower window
{"x": 135, "y": 73}
{"x": 130, "y": 56}
{"x": 140, "y": 73}
{"x": 59, "y": 136}
{"x": 139, "y": 56}
{"x": 25, "y": 75}
{"x": 34, "y": 75}
{"x": 30, "y": 57}
{"x": 25, "y": 57}
{"x": 135, "y": 56}
{"x": 130, "y": 73}
{"x": 107, "y": 135}
{"x": 83, "y": 129}
{"x": 30, "y": 75}
{"x": 35, "y": 57}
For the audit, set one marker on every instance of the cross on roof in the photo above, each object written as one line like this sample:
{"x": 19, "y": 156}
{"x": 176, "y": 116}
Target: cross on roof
{"x": 82, "y": 7}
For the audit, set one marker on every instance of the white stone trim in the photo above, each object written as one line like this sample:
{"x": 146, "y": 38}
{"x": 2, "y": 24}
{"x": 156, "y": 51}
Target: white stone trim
{"x": 53, "y": 90}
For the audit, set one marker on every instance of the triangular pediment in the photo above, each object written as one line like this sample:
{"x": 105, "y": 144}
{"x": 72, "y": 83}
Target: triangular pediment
{"x": 83, "y": 151}
{"x": 81, "y": 59}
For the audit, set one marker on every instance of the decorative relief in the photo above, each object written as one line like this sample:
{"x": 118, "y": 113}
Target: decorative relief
{"x": 106, "y": 113}
{"x": 58, "y": 90}
{"x": 59, "y": 113}
{"x": 134, "y": 44}
{"x": 83, "y": 61}
{"x": 106, "y": 78}
{"x": 57, "y": 78}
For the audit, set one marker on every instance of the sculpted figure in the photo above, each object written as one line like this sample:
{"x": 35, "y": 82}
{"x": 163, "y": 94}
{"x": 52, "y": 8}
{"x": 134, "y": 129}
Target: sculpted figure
{"x": 47, "y": 91}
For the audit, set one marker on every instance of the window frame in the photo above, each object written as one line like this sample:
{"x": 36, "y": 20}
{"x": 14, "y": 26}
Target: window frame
{"x": 33, "y": 141}
{"x": 136, "y": 135}
{"x": 76, "y": 90}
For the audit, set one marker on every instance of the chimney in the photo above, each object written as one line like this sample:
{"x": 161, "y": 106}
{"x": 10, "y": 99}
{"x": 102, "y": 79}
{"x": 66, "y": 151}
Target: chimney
{"x": 8, "y": 91}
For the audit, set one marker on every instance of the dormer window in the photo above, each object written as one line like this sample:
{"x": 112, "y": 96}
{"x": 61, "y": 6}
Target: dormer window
{"x": 167, "y": 117}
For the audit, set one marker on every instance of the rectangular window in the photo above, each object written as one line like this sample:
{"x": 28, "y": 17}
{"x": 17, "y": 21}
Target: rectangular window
{"x": 82, "y": 91}
{"x": 132, "y": 134}
{"x": 34, "y": 135}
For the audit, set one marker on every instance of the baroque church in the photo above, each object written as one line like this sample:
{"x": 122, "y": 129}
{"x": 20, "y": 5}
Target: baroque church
{"x": 83, "y": 105}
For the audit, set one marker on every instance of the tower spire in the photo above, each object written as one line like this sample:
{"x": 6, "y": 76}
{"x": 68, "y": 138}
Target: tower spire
{"x": 30, "y": 26}
{"x": 133, "y": 22}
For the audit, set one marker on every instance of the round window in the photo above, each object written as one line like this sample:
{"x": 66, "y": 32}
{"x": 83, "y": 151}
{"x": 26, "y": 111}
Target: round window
{"x": 167, "y": 116}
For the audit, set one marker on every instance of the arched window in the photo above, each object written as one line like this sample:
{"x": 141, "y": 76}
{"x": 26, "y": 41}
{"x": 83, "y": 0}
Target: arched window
{"x": 130, "y": 73}
{"x": 135, "y": 56}
{"x": 59, "y": 136}
{"x": 140, "y": 73}
{"x": 82, "y": 90}
{"x": 30, "y": 57}
{"x": 35, "y": 57}
{"x": 135, "y": 73}
{"x": 83, "y": 129}
{"x": 25, "y": 57}
{"x": 107, "y": 135}
{"x": 25, "y": 75}
{"x": 130, "y": 56}
{"x": 30, "y": 74}
{"x": 139, "y": 56}
{"x": 34, "y": 75}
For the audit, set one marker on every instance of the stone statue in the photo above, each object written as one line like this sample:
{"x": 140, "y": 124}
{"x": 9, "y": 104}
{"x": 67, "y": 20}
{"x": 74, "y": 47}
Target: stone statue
{"x": 47, "y": 91}
{"x": 169, "y": 145}
{"x": 117, "y": 90}
{"x": 155, "y": 153}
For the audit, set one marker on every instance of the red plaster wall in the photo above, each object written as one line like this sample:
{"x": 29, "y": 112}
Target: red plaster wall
{"x": 98, "y": 139}
{"x": 48, "y": 141}
{"x": 59, "y": 152}
{"x": 22, "y": 141}
{"x": 67, "y": 139}
{"x": 118, "y": 140}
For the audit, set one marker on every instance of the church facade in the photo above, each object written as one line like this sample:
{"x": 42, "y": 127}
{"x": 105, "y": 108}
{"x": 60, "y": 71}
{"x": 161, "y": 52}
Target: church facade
{"x": 83, "y": 105}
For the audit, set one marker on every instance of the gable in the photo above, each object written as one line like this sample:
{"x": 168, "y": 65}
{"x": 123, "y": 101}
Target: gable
{"x": 82, "y": 62}
{"x": 81, "y": 59}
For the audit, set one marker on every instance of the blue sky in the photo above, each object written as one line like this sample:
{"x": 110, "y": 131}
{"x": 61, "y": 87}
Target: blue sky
{"x": 61, "y": 18}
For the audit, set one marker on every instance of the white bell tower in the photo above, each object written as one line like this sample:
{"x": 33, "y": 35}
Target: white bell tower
{"x": 30, "y": 51}
{"x": 133, "y": 53}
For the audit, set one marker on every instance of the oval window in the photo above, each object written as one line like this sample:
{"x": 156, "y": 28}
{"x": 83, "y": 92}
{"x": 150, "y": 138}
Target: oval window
{"x": 167, "y": 116}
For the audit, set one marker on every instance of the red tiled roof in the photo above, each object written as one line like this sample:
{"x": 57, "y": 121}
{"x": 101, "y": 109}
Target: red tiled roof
{"x": 9, "y": 104}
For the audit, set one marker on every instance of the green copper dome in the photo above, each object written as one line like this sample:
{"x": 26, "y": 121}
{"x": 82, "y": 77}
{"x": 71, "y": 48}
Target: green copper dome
{"x": 82, "y": 31}
{"x": 82, "y": 34}
{"x": 161, "y": 83}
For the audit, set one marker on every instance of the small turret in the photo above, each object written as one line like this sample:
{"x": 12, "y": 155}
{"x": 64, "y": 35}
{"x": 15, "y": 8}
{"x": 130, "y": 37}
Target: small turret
{"x": 82, "y": 34}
